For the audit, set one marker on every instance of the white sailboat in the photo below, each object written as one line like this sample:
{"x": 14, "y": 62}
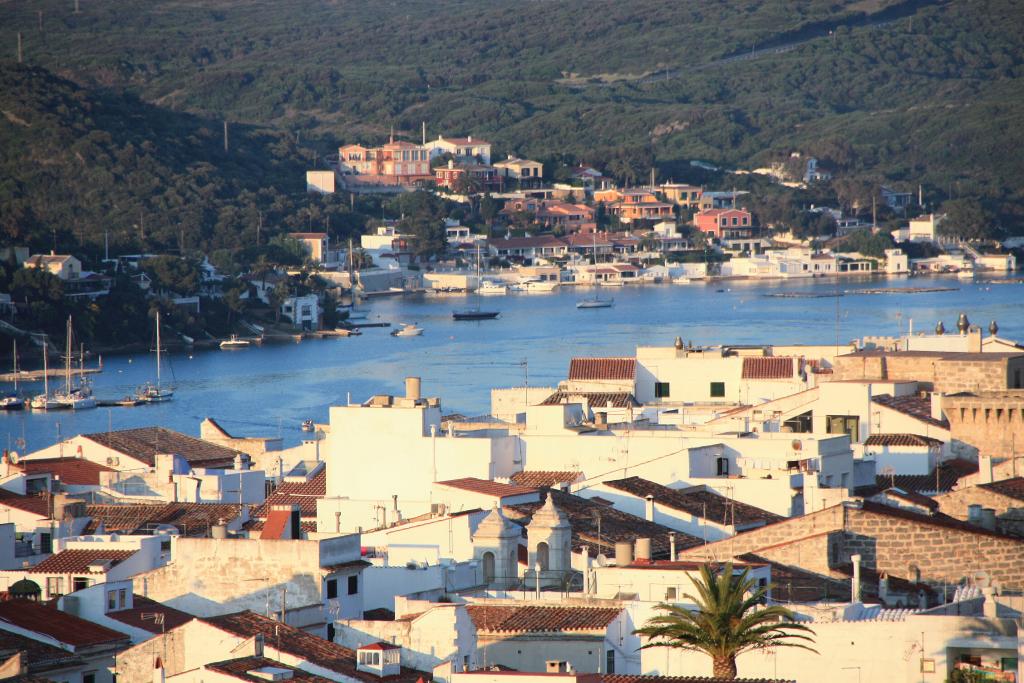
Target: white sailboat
{"x": 155, "y": 393}
{"x": 44, "y": 401}
{"x": 75, "y": 397}
{"x": 595, "y": 301}
{"x": 13, "y": 401}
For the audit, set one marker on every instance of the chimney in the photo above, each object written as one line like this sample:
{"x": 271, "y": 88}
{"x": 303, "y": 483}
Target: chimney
{"x": 556, "y": 666}
{"x": 984, "y": 469}
{"x": 883, "y": 588}
{"x": 643, "y": 549}
{"x": 989, "y": 608}
{"x": 936, "y": 405}
{"x": 623, "y": 553}
{"x": 974, "y": 340}
{"x": 649, "y": 508}
{"x": 672, "y": 545}
{"x": 412, "y": 388}
{"x": 219, "y": 530}
{"x": 585, "y": 553}
{"x": 855, "y": 588}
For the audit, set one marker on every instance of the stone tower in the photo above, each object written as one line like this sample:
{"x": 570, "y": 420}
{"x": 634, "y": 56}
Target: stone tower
{"x": 549, "y": 536}
{"x": 496, "y": 548}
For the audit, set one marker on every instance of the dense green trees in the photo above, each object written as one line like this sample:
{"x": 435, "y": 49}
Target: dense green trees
{"x": 966, "y": 219}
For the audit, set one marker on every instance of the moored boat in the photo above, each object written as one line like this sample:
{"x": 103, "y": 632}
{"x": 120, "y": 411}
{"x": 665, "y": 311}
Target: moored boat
{"x": 234, "y": 343}
{"x": 407, "y": 330}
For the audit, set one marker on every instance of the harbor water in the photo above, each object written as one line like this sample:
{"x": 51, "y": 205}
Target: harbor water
{"x": 270, "y": 390}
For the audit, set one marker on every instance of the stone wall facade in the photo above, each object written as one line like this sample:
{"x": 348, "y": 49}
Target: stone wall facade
{"x": 1009, "y": 510}
{"x": 936, "y": 372}
{"x": 992, "y": 422}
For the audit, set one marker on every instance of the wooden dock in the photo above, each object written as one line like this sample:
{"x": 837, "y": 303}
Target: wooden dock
{"x": 37, "y": 375}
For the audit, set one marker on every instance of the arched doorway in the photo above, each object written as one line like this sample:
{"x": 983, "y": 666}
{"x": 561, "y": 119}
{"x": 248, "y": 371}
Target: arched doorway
{"x": 488, "y": 567}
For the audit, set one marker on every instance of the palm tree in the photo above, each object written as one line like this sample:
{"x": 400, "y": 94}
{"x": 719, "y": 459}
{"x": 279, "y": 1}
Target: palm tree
{"x": 727, "y": 622}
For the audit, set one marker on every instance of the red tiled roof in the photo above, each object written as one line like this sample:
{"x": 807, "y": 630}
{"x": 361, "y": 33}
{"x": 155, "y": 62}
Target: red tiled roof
{"x": 304, "y": 494}
{"x": 77, "y": 561}
{"x": 72, "y": 471}
{"x": 767, "y": 367}
{"x": 697, "y": 501}
{"x": 300, "y": 644}
{"x": 544, "y": 478}
{"x": 380, "y": 645}
{"x": 141, "y": 605}
{"x": 37, "y": 505}
{"x": 534, "y": 618}
{"x": 240, "y": 668}
{"x": 901, "y": 440}
{"x": 191, "y": 519}
{"x": 61, "y": 626}
{"x": 949, "y": 473}
{"x": 277, "y": 522}
{"x": 487, "y": 487}
{"x": 1012, "y": 488}
{"x": 624, "y": 678}
{"x": 602, "y": 368}
{"x": 914, "y": 406}
{"x": 39, "y": 656}
{"x": 144, "y": 443}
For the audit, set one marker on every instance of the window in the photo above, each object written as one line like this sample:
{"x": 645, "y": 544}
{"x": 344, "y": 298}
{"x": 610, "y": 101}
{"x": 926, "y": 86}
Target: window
{"x": 661, "y": 390}
{"x": 543, "y": 554}
{"x": 111, "y": 600}
{"x": 332, "y": 588}
{"x": 722, "y": 467}
{"x": 670, "y": 593}
{"x": 718, "y": 390}
{"x": 610, "y": 657}
{"x": 844, "y": 424}
{"x": 45, "y": 543}
{"x": 89, "y": 677}
{"x": 80, "y": 583}
{"x": 353, "y": 584}
{"x": 844, "y": 480}
{"x": 54, "y": 586}
{"x": 488, "y": 567}
{"x": 330, "y": 632}
{"x": 370, "y": 658}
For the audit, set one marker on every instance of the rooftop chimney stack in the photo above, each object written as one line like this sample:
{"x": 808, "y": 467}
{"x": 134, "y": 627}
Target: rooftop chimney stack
{"x": 984, "y": 469}
{"x": 643, "y": 549}
{"x": 649, "y": 508}
{"x": 412, "y": 388}
{"x": 623, "y": 553}
{"x": 855, "y": 595}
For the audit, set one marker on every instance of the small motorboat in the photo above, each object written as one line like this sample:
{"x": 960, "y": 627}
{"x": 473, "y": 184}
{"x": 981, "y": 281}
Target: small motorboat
{"x": 596, "y": 302}
{"x": 490, "y": 287}
{"x": 533, "y": 286}
{"x": 308, "y": 426}
{"x": 475, "y": 314}
{"x": 681, "y": 280}
{"x": 610, "y": 283}
{"x": 407, "y": 330}
{"x": 12, "y": 402}
{"x": 347, "y": 332}
{"x": 234, "y": 343}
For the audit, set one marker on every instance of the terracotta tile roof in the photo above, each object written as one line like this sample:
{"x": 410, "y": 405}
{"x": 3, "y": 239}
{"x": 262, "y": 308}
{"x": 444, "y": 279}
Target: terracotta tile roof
{"x": 949, "y": 473}
{"x": 39, "y": 656}
{"x": 527, "y": 242}
{"x": 141, "y": 605}
{"x": 932, "y": 520}
{"x": 767, "y": 367}
{"x": 256, "y": 525}
{"x": 901, "y": 440}
{"x": 303, "y": 493}
{"x": 61, "y": 626}
{"x": 534, "y": 618}
{"x": 191, "y": 519}
{"x": 595, "y": 399}
{"x": 912, "y": 497}
{"x": 72, "y": 471}
{"x": 78, "y": 561}
{"x": 1012, "y": 488}
{"x": 615, "y": 525}
{"x": 38, "y": 505}
{"x": 545, "y": 478}
{"x": 914, "y": 406}
{"x": 793, "y": 584}
{"x": 240, "y": 668}
{"x": 298, "y": 643}
{"x": 697, "y": 501}
{"x": 144, "y": 443}
{"x": 380, "y": 645}
{"x": 487, "y": 488}
{"x": 602, "y": 368}
{"x": 624, "y": 678}
{"x": 276, "y": 523}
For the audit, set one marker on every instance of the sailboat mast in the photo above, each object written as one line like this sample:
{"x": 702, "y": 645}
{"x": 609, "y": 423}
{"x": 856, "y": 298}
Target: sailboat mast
{"x": 46, "y": 373}
{"x": 158, "y": 350}
{"x": 15, "y": 366}
{"x": 67, "y": 362}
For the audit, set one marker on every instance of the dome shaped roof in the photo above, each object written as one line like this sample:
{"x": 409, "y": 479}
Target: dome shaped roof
{"x": 26, "y": 588}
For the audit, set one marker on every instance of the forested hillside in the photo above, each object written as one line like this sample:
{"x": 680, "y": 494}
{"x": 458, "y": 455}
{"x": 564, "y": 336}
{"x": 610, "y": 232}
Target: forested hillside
{"x": 881, "y": 91}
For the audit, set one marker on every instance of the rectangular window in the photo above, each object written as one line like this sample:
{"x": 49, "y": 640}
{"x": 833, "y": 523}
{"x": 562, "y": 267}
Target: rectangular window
{"x": 80, "y": 583}
{"x": 844, "y": 424}
{"x": 45, "y": 544}
{"x": 718, "y": 390}
{"x": 353, "y": 584}
{"x": 722, "y": 467}
{"x": 661, "y": 390}
{"x": 54, "y": 586}
{"x": 122, "y": 598}
{"x": 332, "y": 588}
{"x": 111, "y": 600}
{"x": 610, "y": 657}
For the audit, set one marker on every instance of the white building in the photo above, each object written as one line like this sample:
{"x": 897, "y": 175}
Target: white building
{"x": 302, "y": 311}
{"x": 462, "y": 149}
{"x": 321, "y": 182}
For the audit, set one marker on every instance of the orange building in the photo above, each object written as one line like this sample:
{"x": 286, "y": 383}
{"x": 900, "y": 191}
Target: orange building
{"x": 634, "y": 205}
{"x": 719, "y": 222}
{"x": 402, "y": 161}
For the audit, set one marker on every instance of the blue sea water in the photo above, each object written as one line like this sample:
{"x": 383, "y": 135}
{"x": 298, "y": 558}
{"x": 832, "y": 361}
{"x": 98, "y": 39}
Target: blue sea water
{"x": 270, "y": 390}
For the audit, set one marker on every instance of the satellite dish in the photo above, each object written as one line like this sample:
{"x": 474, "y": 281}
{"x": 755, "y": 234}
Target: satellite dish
{"x": 602, "y": 560}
